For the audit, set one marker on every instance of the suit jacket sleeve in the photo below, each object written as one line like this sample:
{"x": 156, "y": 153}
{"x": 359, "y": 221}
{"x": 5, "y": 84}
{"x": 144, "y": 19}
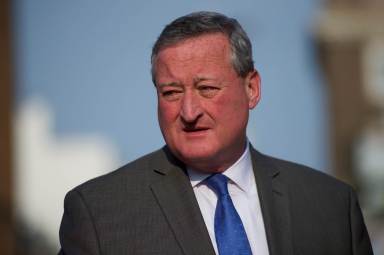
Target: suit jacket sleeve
{"x": 361, "y": 244}
{"x": 78, "y": 235}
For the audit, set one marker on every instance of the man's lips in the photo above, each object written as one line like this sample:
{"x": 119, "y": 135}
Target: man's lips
{"x": 195, "y": 129}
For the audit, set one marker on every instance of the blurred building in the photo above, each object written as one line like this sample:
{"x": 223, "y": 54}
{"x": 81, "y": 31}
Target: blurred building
{"x": 6, "y": 212}
{"x": 350, "y": 37}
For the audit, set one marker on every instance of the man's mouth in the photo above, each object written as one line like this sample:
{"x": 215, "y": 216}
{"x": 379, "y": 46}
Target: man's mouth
{"x": 194, "y": 129}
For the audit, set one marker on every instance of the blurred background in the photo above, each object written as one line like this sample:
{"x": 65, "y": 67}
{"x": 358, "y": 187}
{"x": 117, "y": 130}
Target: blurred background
{"x": 76, "y": 98}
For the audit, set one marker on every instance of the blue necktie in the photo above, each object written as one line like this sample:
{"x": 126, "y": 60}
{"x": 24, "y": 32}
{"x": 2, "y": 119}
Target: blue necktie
{"x": 230, "y": 235}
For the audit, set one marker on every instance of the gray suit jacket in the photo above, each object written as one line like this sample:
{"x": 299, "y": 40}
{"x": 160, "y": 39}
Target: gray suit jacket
{"x": 148, "y": 207}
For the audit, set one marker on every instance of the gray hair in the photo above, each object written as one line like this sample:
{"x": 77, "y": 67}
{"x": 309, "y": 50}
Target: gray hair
{"x": 200, "y": 23}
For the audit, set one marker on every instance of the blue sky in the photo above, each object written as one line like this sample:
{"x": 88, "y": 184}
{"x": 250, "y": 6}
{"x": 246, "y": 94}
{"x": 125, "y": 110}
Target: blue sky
{"x": 89, "y": 60}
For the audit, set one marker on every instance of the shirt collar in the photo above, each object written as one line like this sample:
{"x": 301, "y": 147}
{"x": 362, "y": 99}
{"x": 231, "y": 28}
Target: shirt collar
{"x": 240, "y": 173}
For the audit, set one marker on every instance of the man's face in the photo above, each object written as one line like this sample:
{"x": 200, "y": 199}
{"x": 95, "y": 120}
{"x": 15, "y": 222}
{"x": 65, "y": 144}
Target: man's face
{"x": 203, "y": 104}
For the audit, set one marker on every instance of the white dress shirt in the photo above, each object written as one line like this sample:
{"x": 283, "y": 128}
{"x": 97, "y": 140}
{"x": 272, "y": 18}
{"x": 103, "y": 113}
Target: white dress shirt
{"x": 243, "y": 192}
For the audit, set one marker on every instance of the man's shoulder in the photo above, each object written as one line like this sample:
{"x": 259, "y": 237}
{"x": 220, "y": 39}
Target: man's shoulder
{"x": 301, "y": 177}
{"x": 130, "y": 175}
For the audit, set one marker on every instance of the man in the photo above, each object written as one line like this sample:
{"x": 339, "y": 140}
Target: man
{"x": 208, "y": 191}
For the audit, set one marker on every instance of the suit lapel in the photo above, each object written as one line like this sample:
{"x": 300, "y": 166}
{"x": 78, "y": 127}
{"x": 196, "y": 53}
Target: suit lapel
{"x": 175, "y": 196}
{"x": 274, "y": 203}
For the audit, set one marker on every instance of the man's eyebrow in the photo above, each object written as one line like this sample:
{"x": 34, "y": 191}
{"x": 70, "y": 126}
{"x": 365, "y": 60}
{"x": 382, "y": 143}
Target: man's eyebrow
{"x": 200, "y": 79}
{"x": 172, "y": 84}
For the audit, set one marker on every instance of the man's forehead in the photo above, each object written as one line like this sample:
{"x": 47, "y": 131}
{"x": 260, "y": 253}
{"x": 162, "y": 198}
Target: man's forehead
{"x": 199, "y": 57}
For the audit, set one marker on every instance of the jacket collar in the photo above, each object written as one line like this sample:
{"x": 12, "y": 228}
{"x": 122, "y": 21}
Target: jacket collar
{"x": 174, "y": 193}
{"x": 274, "y": 202}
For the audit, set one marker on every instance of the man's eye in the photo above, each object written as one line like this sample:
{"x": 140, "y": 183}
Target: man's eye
{"x": 171, "y": 94}
{"x": 208, "y": 91}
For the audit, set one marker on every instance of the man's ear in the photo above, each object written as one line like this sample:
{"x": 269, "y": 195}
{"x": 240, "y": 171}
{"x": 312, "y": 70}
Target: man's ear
{"x": 253, "y": 88}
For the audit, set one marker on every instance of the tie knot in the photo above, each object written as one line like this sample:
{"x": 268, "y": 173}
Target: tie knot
{"x": 219, "y": 183}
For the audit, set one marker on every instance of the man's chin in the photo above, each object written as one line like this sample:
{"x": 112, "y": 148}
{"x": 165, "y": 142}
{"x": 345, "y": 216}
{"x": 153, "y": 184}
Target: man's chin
{"x": 195, "y": 157}
{"x": 200, "y": 160}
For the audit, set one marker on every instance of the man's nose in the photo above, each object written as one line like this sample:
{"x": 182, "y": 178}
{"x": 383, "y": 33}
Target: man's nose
{"x": 191, "y": 108}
